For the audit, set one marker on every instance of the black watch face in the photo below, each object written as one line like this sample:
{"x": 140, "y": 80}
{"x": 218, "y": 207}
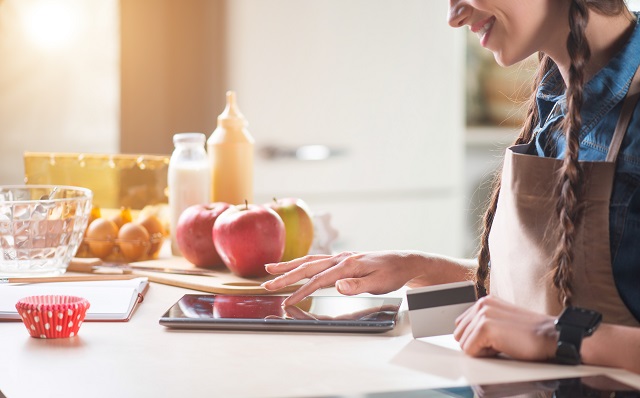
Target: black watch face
{"x": 579, "y": 317}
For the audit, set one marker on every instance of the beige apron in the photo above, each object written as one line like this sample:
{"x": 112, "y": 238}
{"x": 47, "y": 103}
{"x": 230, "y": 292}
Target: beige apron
{"x": 522, "y": 246}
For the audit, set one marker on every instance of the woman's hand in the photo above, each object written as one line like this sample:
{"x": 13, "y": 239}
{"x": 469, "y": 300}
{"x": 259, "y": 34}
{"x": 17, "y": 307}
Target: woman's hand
{"x": 351, "y": 273}
{"x": 494, "y": 326}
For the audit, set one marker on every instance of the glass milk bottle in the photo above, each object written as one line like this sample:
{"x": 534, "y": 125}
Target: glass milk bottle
{"x": 189, "y": 178}
{"x": 230, "y": 150}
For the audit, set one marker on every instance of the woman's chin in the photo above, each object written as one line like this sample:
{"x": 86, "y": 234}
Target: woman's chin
{"x": 505, "y": 60}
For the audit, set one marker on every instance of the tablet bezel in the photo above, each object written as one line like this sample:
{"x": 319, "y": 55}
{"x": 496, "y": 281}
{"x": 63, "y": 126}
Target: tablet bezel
{"x": 279, "y": 324}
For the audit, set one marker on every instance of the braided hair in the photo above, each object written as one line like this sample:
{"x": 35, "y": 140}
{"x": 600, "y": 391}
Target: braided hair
{"x": 570, "y": 178}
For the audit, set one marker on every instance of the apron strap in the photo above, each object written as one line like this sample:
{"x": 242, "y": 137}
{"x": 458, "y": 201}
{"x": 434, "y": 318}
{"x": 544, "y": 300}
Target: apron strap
{"x": 628, "y": 106}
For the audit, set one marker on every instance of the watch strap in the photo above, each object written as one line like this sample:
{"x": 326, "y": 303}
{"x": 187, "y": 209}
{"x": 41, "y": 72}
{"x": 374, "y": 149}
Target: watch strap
{"x": 569, "y": 343}
{"x": 572, "y": 330}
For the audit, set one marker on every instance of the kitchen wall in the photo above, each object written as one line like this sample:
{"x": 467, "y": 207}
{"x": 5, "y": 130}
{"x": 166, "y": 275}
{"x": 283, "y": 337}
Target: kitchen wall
{"x": 173, "y": 70}
{"x": 59, "y": 79}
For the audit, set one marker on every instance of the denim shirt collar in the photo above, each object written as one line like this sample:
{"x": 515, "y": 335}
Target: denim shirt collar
{"x": 605, "y": 89}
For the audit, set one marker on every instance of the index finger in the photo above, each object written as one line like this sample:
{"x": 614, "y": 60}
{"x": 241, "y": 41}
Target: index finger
{"x": 297, "y": 313}
{"x": 326, "y": 278}
{"x": 300, "y": 269}
{"x": 285, "y": 266}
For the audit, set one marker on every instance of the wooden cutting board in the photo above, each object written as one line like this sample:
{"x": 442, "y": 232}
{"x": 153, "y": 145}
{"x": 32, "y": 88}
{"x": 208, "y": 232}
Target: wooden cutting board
{"x": 222, "y": 281}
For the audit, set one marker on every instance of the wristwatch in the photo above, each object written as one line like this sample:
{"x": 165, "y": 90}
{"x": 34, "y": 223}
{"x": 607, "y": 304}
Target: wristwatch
{"x": 574, "y": 324}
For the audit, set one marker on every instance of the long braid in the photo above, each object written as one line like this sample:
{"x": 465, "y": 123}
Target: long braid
{"x": 532, "y": 119}
{"x": 570, "y": 182}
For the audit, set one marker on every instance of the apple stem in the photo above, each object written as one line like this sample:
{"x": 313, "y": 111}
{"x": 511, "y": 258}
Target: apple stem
{"x": 246, "y": 204}
{"x": 275, "y": 200}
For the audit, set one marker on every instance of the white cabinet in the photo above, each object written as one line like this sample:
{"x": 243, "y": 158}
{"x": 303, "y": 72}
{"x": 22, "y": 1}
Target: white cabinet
{"x": 379, "y": 81}
{"x": 423, "y": 222}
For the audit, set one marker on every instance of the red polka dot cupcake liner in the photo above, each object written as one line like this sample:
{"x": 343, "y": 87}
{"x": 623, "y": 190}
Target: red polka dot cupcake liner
{"x": 52, "y": 317}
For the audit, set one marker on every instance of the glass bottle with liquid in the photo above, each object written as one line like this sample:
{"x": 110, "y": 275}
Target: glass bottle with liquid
{"x": 189, "y": 178}
{"x": 230, "y": 150}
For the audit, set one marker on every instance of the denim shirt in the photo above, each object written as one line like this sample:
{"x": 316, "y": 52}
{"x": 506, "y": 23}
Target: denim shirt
{"x": 603, "y": 96}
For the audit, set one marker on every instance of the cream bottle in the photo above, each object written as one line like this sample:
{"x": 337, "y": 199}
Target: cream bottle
{"x": 230, "y": 151}
{"x": 188, "y": 178}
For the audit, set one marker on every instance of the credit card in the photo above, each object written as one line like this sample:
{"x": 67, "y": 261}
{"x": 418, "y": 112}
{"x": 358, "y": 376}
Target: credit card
{"x": 434, "y": 309}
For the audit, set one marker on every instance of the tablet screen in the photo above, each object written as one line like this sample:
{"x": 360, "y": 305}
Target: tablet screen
{"x": 258, "y": 312}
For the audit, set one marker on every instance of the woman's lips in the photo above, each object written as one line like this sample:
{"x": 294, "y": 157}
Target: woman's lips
{"x": 482, "y": 29}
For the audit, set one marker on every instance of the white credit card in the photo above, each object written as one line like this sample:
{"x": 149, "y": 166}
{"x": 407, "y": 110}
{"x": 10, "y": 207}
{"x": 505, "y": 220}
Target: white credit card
{"x": 434, "y": 309}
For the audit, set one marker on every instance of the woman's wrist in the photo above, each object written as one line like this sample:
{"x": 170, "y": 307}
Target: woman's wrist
{"x": 549, "y": 334}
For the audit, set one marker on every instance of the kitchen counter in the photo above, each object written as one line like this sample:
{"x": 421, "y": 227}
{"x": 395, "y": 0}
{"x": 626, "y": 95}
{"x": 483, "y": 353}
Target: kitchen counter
{"x": 140, "y": 358}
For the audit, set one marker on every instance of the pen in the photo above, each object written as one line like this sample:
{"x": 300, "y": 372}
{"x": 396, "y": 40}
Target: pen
{"x": 68, "y": 278}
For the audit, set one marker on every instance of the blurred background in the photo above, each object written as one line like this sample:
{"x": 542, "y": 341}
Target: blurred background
{"x": 373, "y": 111}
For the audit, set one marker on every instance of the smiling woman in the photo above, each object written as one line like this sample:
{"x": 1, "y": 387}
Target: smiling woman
{"x": 59, "y": 79}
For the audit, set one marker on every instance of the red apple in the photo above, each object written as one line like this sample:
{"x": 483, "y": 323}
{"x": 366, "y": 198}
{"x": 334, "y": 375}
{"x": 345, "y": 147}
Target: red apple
{"x": 247, "y": 237}
{"x": 194, "y": 234}
{"x": 298, "y": 225}
{"x": 248, "y": 307}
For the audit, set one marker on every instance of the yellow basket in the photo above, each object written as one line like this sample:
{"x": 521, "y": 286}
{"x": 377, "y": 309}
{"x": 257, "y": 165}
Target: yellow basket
{"x": 117, "y": 181}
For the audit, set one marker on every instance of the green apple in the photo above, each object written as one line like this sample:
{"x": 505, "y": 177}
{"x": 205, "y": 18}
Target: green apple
{"x": 298, "y": 226}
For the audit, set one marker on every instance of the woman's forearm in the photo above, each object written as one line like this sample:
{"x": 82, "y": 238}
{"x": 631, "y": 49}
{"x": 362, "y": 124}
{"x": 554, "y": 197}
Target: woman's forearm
{"x": 435, "y": 269}
{"x": 613, "y": 345}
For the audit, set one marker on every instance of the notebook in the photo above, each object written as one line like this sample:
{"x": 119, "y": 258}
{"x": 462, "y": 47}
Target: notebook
{"x": 113, "y": 300}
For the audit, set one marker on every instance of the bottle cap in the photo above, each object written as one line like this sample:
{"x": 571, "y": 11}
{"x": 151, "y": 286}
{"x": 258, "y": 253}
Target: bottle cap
{"x": 231, "y": 117}
{"x": 185, "y": 138}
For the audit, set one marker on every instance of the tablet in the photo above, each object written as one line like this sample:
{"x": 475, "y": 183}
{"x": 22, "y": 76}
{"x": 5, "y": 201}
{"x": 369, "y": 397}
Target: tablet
{"x": 313, "y": 314}
{"x": 577, "y": 387}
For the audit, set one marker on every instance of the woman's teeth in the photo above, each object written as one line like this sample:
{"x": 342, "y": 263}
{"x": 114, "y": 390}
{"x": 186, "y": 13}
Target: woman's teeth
{"x": 485, "y": 28}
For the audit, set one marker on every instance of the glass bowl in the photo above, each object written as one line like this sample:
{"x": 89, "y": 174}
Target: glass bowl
{"x": 41, "y": 228}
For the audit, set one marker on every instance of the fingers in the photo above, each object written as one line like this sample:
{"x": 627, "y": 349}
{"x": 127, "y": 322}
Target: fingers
{"x": 297, "y": 313}
{"x": 370, "y": 283}
{"x": 349, "y": 286}
{"x": 281, "y": 268}
{"x": 492, "y": 325}
{"x": 328, "y": 277}
{"x": 296, "y": 270}
{"x": 463, "y": 321}
{"x": 316, "y": 282}
{"x": 475, "y": 339}
{"x": 474, "y": 326}
{"x": 354, "y": 272}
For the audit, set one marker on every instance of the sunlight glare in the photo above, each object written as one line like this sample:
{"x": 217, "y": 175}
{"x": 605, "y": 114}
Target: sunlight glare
{"x": 51, "y": 24}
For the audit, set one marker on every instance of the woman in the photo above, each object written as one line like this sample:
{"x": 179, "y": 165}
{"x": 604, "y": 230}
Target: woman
{"x": 563, "y": 224}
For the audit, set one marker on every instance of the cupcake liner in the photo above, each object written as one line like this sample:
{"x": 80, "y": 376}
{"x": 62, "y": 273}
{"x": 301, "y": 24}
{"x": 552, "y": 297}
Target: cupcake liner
{"x": 52, "y": 317}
